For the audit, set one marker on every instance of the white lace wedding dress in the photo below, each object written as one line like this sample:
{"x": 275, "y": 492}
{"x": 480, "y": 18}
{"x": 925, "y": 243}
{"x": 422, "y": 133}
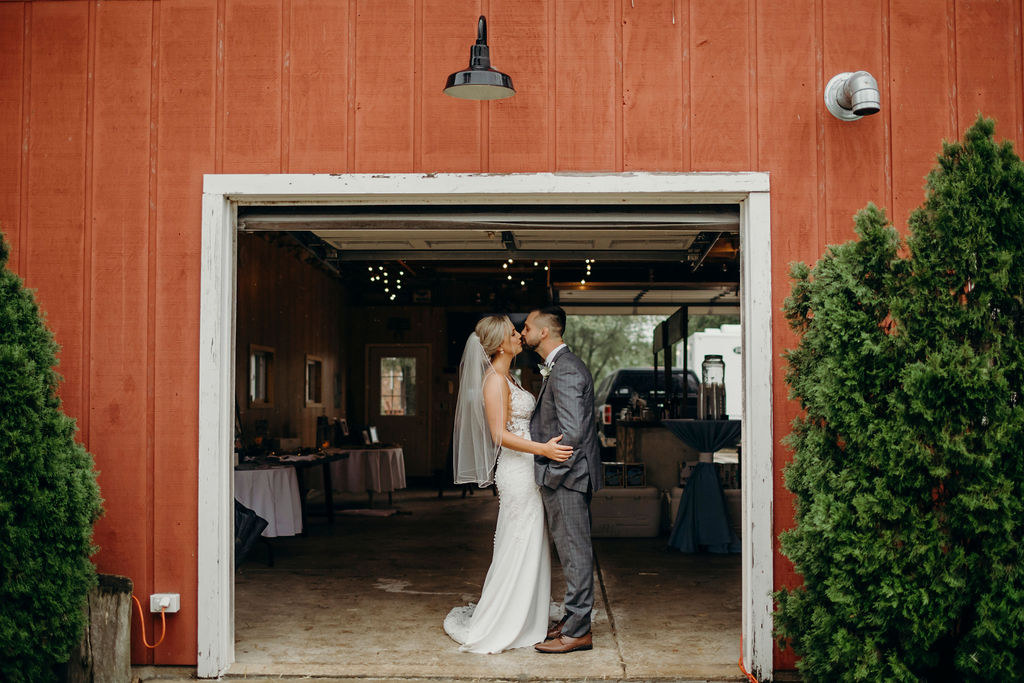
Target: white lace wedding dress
{"x": 514, "y": 604}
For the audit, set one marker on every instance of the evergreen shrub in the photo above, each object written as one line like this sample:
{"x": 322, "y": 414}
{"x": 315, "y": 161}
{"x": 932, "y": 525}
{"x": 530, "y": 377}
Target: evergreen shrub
{"x": 908, "y": 468}
{"x": 49, "y": 498}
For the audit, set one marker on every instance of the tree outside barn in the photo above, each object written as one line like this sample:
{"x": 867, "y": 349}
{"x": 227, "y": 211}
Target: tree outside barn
{"x": 908, "y": 467}
{"x": 49, "y": 498}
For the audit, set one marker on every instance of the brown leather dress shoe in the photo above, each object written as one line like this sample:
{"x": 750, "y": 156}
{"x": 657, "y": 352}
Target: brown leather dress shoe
{"x": 555, "y": 629}
{"x": 565, "y": 643}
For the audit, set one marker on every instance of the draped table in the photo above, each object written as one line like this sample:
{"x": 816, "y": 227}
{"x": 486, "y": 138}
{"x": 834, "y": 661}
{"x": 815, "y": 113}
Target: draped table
{"x": 297, "y": 463}
{"x": 368, "y": 469}
{"x": 273, "y": 494}
{"x": 702, "y": 520}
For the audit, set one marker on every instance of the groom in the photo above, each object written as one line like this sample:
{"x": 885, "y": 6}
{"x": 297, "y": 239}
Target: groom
{"x": 565, "y": 405}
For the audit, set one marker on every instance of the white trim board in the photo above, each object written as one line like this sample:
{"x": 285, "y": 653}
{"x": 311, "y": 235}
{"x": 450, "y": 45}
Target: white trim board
{"x": 223, "y": 193}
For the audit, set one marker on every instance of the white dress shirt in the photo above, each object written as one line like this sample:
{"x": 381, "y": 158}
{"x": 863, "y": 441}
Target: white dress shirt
{"x": 551, "y": 356}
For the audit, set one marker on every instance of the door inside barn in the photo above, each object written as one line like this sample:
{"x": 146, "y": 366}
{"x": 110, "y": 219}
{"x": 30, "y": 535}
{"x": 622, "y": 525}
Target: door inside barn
{"x": 367, "y": 292}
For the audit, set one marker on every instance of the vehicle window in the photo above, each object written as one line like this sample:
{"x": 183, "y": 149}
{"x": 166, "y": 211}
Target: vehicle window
{"x": 641, "y": 383}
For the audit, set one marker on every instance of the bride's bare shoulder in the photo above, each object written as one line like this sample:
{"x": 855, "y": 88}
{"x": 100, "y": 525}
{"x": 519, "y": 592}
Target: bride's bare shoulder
{"x": 495, "y": 382}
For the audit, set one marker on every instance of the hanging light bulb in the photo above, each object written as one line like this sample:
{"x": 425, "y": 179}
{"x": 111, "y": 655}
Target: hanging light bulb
{"x": 535, "y": 264}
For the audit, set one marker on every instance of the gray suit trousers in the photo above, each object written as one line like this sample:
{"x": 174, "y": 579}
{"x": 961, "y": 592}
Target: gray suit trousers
{"x": 568, "y": 514}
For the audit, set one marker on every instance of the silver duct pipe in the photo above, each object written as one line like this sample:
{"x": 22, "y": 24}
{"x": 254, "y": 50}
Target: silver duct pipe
{"x": 851, "y": 95}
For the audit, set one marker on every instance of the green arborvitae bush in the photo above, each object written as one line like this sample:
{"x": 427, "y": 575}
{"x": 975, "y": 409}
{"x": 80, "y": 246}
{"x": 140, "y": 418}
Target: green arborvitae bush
{"x": 908, "y": 466}
{"x": 49, "y": 498}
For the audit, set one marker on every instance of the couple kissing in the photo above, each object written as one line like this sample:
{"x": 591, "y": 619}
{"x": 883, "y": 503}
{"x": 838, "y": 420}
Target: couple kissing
{"x": 542, "y": 455}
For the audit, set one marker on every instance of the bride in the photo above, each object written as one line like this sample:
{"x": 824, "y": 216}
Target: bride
{"x": 492, "y": 426}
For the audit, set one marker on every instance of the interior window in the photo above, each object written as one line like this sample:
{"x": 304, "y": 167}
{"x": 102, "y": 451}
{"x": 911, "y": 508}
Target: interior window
{"x": 261, "y": 373}
{"x": 314, "y": 380}
{"x": 398, "y": 386}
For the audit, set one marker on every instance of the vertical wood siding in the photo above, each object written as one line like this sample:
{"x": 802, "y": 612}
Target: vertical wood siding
{"x": 119, "y": 324}
{"x": 186, "y": 147}
{"x": 308, "y": 316}
{"x": 652, "y": 87}
{"x": 111, "y": 112}
{"x": 12, "y": 96}
{"x": 317, "y": 80}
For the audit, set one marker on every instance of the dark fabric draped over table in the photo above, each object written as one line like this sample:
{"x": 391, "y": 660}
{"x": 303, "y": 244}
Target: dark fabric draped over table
{"x": 706, "y": 436}
{"x": 702, "y": 521}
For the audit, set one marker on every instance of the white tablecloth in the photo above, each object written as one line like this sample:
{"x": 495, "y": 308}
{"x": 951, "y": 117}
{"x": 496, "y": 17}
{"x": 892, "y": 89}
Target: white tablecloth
{"x": 273, "y": 493}
{"x": 378, "y": 470}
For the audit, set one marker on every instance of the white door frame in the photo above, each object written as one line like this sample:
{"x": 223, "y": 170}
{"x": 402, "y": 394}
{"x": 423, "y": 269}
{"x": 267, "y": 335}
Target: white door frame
{"x": 222, "y": 194}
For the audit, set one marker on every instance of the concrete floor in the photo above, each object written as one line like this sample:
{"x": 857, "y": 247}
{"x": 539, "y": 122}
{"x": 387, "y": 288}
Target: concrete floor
{"x": 366, "y": 596}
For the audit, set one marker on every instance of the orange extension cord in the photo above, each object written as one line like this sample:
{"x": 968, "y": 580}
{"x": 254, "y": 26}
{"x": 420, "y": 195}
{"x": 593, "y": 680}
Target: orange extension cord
{"x": 142, "y": 618}
{"x": 750, "y": 677}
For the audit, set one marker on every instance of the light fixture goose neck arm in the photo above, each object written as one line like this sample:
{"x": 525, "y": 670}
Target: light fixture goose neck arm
{"x": 481, "y": 31}
{"x": 480, "y": 54}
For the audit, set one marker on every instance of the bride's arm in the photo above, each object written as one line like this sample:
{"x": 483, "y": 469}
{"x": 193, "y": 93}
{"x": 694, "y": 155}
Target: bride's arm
{"x": 495, "y": 401}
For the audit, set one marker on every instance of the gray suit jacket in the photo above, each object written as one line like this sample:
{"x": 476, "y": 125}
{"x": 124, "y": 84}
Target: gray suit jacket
{"x": 565, "y": 405}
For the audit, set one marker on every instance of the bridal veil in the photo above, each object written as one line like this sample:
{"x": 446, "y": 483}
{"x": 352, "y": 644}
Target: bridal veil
{"x": 475, "y": 453}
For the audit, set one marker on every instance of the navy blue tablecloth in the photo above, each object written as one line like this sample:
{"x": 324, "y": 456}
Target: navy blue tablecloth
{"x": 702, "y": 522}
{"x": 706, "y": 436}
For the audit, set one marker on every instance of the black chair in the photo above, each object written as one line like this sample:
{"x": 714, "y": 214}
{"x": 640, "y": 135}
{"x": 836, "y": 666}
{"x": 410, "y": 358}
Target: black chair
{"x": 248, "y": 527}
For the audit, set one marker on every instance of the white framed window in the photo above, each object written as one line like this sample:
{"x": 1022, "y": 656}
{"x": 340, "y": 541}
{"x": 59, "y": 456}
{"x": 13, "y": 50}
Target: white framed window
{"x": 261, "y": 375}
{"x": 314, "y": 381}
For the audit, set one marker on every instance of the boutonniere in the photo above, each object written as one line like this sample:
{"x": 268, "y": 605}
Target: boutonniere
{"x": 545, "y": 371}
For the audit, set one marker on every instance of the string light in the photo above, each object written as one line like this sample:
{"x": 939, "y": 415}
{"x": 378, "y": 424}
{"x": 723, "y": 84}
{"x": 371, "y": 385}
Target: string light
{"x": 390, "y": 282}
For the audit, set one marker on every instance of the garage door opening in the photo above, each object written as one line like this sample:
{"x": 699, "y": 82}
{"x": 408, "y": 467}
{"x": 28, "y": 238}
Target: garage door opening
{"x": 399, "y": 228}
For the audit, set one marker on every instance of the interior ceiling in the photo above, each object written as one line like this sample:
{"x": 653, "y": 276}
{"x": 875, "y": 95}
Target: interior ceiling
{"x": 642, "y": 258}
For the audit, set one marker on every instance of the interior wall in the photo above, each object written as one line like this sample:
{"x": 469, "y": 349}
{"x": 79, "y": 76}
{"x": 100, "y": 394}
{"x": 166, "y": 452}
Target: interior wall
{"x": 288, "y": 303}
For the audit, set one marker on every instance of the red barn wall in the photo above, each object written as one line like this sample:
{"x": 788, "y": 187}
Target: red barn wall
{"x": 111, "y": 112}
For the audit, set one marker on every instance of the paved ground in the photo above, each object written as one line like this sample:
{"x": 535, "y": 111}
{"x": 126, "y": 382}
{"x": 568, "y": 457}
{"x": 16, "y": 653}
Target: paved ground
{"x": 364, "y": 599}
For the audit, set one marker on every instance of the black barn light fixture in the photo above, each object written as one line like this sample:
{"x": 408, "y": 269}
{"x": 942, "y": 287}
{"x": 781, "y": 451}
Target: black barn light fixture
{"x": 479, "y": 81}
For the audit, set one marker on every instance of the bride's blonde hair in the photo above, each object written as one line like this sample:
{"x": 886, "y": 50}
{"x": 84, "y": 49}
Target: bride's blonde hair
{"x": 492, "y": 330}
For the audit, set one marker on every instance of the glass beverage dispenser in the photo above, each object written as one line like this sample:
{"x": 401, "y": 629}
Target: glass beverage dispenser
{"x": 711, "y": 397}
